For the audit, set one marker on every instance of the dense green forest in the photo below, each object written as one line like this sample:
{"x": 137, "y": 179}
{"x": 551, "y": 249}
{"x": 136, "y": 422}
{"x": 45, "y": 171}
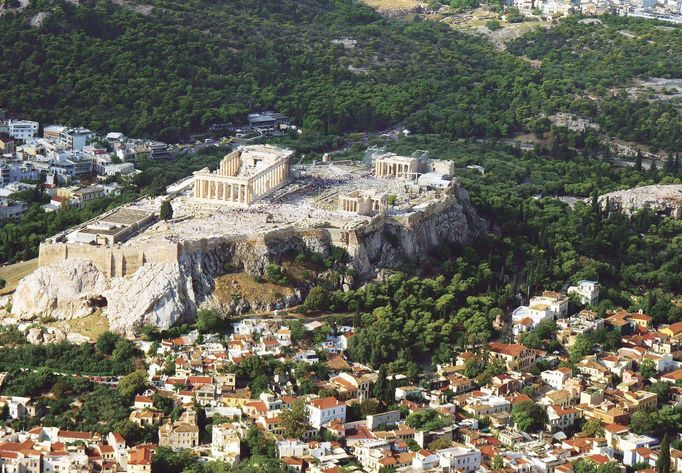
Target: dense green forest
{"x": 188, "y": 64}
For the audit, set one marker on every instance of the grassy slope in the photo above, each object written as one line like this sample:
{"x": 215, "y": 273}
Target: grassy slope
{"x": 13, "y": 273}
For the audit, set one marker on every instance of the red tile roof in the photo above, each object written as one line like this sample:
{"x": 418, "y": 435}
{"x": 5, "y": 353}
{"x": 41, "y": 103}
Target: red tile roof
{"x": 326, "y": 403}
{"x": 509, "y": 349}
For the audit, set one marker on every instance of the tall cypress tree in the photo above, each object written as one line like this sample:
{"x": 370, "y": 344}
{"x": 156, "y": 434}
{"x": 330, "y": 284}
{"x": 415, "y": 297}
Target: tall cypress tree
{"x": 382, "y": 383}
{"x": 663, "y": 462}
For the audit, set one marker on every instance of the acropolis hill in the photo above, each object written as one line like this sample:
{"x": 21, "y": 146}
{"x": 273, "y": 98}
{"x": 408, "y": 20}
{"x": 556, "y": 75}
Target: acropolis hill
{"x": 256, "y": 208}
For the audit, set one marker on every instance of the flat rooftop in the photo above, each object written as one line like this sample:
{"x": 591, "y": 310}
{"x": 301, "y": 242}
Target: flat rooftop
{"x": 126, "y": 216}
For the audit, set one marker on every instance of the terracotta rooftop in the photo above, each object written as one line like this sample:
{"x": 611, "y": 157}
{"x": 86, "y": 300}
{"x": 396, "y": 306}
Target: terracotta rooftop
{"x": 326, "y": 403}
{"x": 511, "y": 349}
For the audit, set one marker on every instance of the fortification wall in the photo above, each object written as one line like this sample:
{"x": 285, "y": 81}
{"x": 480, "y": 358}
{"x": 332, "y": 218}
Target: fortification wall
{"x": 115, "y": 261}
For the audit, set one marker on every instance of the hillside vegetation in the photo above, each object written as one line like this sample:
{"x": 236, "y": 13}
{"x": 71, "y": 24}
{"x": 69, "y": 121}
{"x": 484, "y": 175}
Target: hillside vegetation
{"x": 182, "y": 65}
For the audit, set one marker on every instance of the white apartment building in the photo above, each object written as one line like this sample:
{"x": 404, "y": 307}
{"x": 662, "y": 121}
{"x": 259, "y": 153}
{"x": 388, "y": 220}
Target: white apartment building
{"x": 556, "y": 378}
{"x": 549, "y": 306}
{"x": 22, "y": 129}
{"x": 74, "y": 138}
{"x": 587, "y": 291}
{"x": 225, "y": 443}
{"x": 487, "y": 405}
{"x": 448, "y": 460}
{"x": 631, "y": 442}
{"x": 323, "y": 410}
{"x": 559, "y": 418}
{"x": 459, "y": 459}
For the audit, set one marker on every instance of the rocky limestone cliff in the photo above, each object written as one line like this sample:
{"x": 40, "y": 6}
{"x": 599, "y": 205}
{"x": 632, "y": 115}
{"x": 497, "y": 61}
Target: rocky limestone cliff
{"x": 157, "y": 294}
{"x": 666, "y": 199}
{"x": 164, "y": 294}
{"x": 68, "y": 290}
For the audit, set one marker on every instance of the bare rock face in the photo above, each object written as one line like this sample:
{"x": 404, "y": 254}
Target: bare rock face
{"x": 70, "y": 289}
{"x": 157, "y": 294}
{"x": 666, "y": 199}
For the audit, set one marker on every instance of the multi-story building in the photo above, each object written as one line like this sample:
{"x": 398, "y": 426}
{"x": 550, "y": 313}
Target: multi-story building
{"x": 74, "y": 138}
{"x": 517, "y": 357}
{"x": 550, "y": 306}
{"x": 587, "y": 292}
{"x": 323, "y": 410}
{"x": 181, "y": 434}
{"x": 7, "y": 145}
{"x": 53, "y": 132}
{"x": 448, "y": 460}
{"x": 17, "y": 171}
{"x": 140, "y": 459}
{"x": 22, "y": 129}
{"x": 86, "y": 194}
{"x": 158, "y": 150}
{"x": 556, "y": 378}
{"x": 350, "y": 386}
{"x": 225, "y": 443}
{"x": 559, "y": 418}
{"x": 267, "y": 120}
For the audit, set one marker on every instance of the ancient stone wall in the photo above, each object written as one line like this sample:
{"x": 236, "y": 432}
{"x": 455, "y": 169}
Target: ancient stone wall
{"x": 116, "y": 261}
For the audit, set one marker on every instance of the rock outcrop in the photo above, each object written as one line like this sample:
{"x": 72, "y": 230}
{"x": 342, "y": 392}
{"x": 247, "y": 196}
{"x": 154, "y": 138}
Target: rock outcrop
{"x": 157, "y": 294}
{"x": 164, "y": 294}
{"x": 666, "y": 199}
{"x": 70, "y": 289}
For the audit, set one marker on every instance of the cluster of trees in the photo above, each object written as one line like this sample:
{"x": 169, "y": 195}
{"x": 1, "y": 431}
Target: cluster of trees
{"x": 68, "y": 358}
{"x": 54, "y": 375}
{"x": 529, "y": 416}
{"x": 665, "y": 420}
{"x": 427, "y": 420}
{"x": 56, "y": 393}
{"x": 587, "y": 466}
{"x": 184, "y": 461}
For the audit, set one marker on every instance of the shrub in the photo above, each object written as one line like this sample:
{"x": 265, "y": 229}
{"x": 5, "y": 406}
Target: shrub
{"x": 493, "y": 25}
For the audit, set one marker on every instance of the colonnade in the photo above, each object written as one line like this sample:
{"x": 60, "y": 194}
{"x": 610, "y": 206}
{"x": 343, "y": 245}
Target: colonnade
{"x": 230, "y": 165}
{"x": 214, "y": 188}
{"x": 363, "y": 205}
{"x": 393, "y": 169}
{"x": 347, "y": 204}
{"x": 268, "y": 179}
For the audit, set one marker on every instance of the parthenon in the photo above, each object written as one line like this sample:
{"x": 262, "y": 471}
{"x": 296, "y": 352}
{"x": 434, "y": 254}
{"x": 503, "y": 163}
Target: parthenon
{"x": 244, "y": 176}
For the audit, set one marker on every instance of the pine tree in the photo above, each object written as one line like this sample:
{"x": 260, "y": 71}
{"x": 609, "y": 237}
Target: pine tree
{"x": 663, "y": 462}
